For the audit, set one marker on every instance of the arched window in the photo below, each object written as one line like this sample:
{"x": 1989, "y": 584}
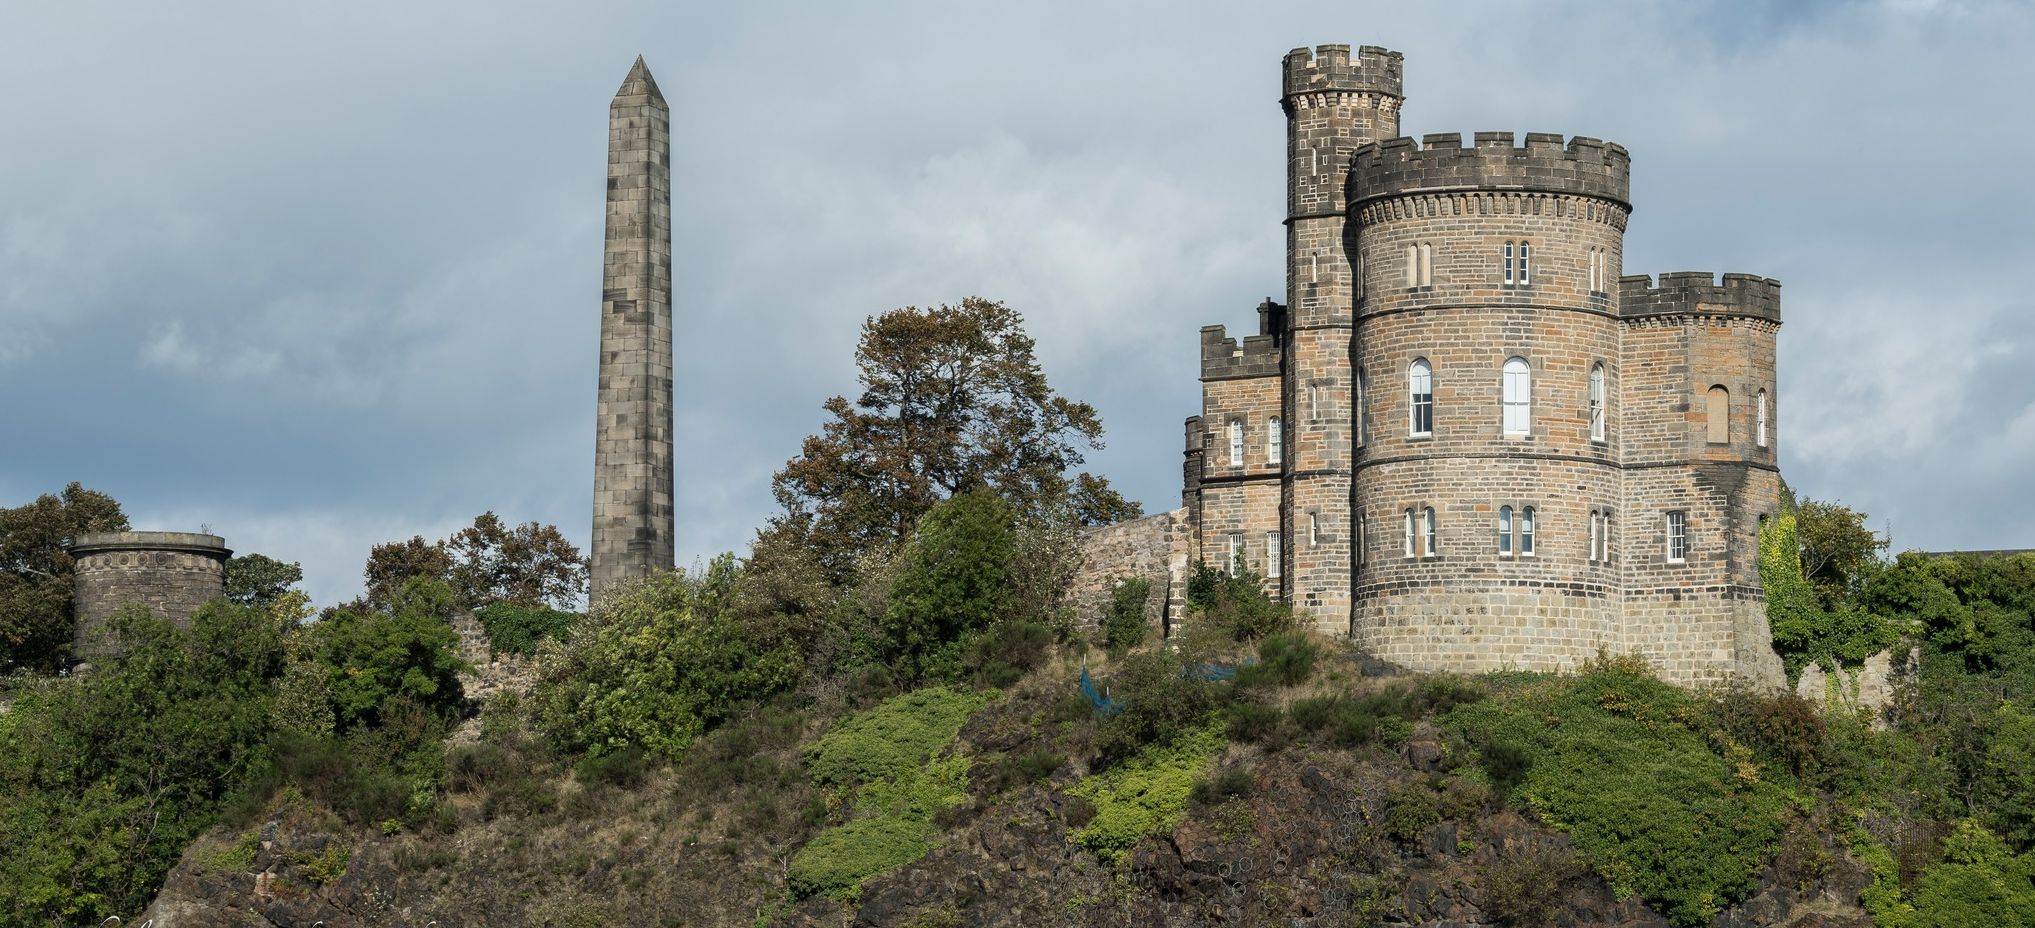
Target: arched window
{"x": 1426, "y": 264}
{"x": 1526, "y": 532}
{"x": 1236, "y": 442}
{"x": 1363, "y": 427}
{"x": 1761, "y": 433}
{"x": 1518, "y": 394}
{"x": 1409, "y": 533}
{"x": 1420, "y": 398}
{"x": 1505, "y": 531}
{"x": 1427, "y": 515}
{"x": 1596, "y": 532}
{"x": 1604, "y": 542}
{"x": 1509, "y": 273}
{"x": 1314, "y": 402}
{"x": 1525, "y": 256}
{"x": 1597, "y": 402}
{"x": 1413, "y": 265}
{"x": 1275, "y": 441}
{"x": 1717, "y": 412}
{"x": 1314, "y": 269}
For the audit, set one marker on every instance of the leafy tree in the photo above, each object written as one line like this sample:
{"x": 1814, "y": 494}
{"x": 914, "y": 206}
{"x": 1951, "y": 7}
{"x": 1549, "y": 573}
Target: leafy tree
{"x": 36, "y": 616}
{"x": 1838, "y": 552}
{"x": 952, "y": 399}
{"x": 528, "y": 565}
{"x": 105, "y": 779}
{"x": 659, "y": 663}
{"x": 391, "y": 566}
{"x": 259, "y": 580}
{"x": 1095, "y": 502}
{"x": 376, "y": 660}
{"x": 517, "y": 629}
{"x": 954, "y": 583}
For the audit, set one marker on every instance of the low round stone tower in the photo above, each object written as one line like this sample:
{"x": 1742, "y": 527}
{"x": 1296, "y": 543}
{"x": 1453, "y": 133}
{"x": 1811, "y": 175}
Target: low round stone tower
{"x": 1488, "y": 341}
{"x": 170, "y": 573}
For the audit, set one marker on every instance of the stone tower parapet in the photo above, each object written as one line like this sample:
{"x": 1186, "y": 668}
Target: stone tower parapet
{"x": 633, "y": 512}
{"x": 1440, "y": 162}
{"x": 169, "y": 573}
{"x": 1699, "y": 293}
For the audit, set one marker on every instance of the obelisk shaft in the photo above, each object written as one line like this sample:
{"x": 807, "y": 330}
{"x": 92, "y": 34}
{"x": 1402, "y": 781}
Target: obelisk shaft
{"x": 633, "y": 523}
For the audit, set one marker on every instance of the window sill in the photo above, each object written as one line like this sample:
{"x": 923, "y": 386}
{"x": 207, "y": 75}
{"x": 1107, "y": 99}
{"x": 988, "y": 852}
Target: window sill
{"x": 1420, "y": 436}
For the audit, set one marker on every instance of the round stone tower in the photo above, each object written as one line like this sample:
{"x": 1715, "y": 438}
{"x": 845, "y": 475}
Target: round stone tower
{"x": 170, "y": 573}
{"x": 1488, "y": 344}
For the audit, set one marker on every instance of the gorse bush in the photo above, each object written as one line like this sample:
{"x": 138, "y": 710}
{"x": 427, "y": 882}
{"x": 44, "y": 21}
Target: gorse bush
{"x": 892, "y": 738}
{"x": 1147, "y": 793}
{"x": 1284, "y": 659}
{"x": 1612, "y": 759}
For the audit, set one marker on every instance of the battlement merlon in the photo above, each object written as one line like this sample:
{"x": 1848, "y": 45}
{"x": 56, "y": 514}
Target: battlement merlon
{"x": 1195, "y": 436}
{"x": 1332, "y": 67}
{"x": 1223, "y": 359}
{"x": 1440, "y": 163}
{"x": 1700, "y": 293}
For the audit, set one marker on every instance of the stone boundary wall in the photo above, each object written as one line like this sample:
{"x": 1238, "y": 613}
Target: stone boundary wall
{"x": 1154, "y": 548}
{"x": 1870, "y": 686}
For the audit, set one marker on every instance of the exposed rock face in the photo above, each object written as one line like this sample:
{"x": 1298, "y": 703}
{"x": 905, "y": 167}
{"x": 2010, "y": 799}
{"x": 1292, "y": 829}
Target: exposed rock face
{"x": 1869, "y": 687}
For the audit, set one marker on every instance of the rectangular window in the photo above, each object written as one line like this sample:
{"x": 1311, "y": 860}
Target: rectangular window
{"x": 1357, "y": 536}
{"x": 1508, "y": 262}
{"x": 1273, "y": 554}
{"x": 1236, "y": 442}
{"x": 1236, "y": 554}
{"x": 1313, "y": 529}
{"x": 1275, "y": 441}
{"x": 1606, "y": 543}
{"x": 1362, "y": 427}
{"x": 1678, "y": 536}
{"x": 1505, "y": 531}
{"x": 1525, "y": 252}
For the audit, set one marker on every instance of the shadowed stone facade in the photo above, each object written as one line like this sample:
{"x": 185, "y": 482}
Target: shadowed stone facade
{"x": 633, "y": 520}
{"x": 169, "y": 573}
{"x": 1314, "y": 460}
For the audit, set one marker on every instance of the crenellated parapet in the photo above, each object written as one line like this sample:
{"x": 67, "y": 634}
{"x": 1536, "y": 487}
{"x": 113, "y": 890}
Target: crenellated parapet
{"x": 1440, "y": 162}
{"x": 1332, "y": 68}
{"x": 1700, "y": 293}
{"x": 1222, "y": 358}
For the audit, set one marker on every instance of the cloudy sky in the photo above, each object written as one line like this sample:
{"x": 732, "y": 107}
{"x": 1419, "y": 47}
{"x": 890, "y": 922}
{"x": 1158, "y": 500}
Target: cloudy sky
{"x": 323, "y": 275}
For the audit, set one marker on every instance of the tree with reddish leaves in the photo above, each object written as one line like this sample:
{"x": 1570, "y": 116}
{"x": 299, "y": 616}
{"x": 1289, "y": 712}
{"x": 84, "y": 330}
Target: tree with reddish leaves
{"x": 952, "y": 400}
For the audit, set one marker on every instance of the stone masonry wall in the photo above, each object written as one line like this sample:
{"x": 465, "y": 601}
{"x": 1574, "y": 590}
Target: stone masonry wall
{"x": 172, "y": 574}
{"x": 1154, "y": 548}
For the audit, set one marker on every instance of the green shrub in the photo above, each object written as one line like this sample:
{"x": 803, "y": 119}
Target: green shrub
{"x": 1146, "y": 794}
{"x": 839, "y": 859}
{"x": 1124, "y": 626}
{"x": 892, "y": 738}
{"x": 516, "y": 629}
{"x": 1612, "y": 759}
{"x": 408, "y": 654}
{"x": 627, "y": 768}
{"x": 1223, "y": 785}
{"x": 1979, "y": 882}
{"x": 1784, "y": 729}
{"x": 1254, "y": 722}
{"x": 1284, "y": 659}
{"x": 659, "y": 663}
{"x": 1002, "y": 655}
{"x": 1411, "y": 808}
{"x": 1235, "y": 602}
{"x": 1160, "y": 699}
{"x": 953, "y": 583}
{"x": 1523, "y": 885}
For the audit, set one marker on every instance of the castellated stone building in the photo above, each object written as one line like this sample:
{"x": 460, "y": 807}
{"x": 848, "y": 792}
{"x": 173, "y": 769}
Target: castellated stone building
{"x": 633, "y": 514}
{"x": 1465, "y": 438}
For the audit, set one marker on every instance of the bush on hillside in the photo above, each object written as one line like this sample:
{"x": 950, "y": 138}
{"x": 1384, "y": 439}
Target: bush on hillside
{"x": 1146, "y": 794}
{"x": 892, "y": 738}
{"x": 952, "y": 585}
{"x": 514, "y": 628}
{"x": 1235, "y": 602}
{"x": 1123, "y": 625}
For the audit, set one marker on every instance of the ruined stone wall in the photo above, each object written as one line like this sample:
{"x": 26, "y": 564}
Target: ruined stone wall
{"x": 171, "y": 574}
{"x": 1155, "y": 548}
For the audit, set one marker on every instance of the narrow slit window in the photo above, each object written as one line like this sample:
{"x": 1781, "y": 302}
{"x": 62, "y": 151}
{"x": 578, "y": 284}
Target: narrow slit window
{"x": 1420, "y": 398}
{"x": 1273, "y": 555}
{"x": 1413, "y": 265}
{"x": 1427, "y": 517}
{"x": 1362, "y": 428}
{"x": 1518, "y": 397}
{"x": 1313, "y": 529}
{"x": 1357, "y": 536}
{"x": 1605, "y": 542}
{"x": 1597, "y": 402}
{"x": 1592, "y": 274}
{"x": 1409, "y": 533}
{"x": 1426, "y": 264}
{"x": 1678, "y": 536}
{"x": 1595, "y": 533}
{"x": 1508, "y": 263}
{"x": 1526, "y": 532}
{"x": 1275, "y": 441}
{"x": 1717, "y": 415}
{"x": 1236, "y": 442}
{"x": 1313, "y": 269}
{"x": 1505, "y": 531}
{"x": 1525, "y": 255}
{"x": 1761, "y": 424}
{"x": 1314, "y": 402}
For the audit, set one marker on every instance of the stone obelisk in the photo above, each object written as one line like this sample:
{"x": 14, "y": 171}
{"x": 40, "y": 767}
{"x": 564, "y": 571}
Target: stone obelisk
{"x": 633, "y": 526}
